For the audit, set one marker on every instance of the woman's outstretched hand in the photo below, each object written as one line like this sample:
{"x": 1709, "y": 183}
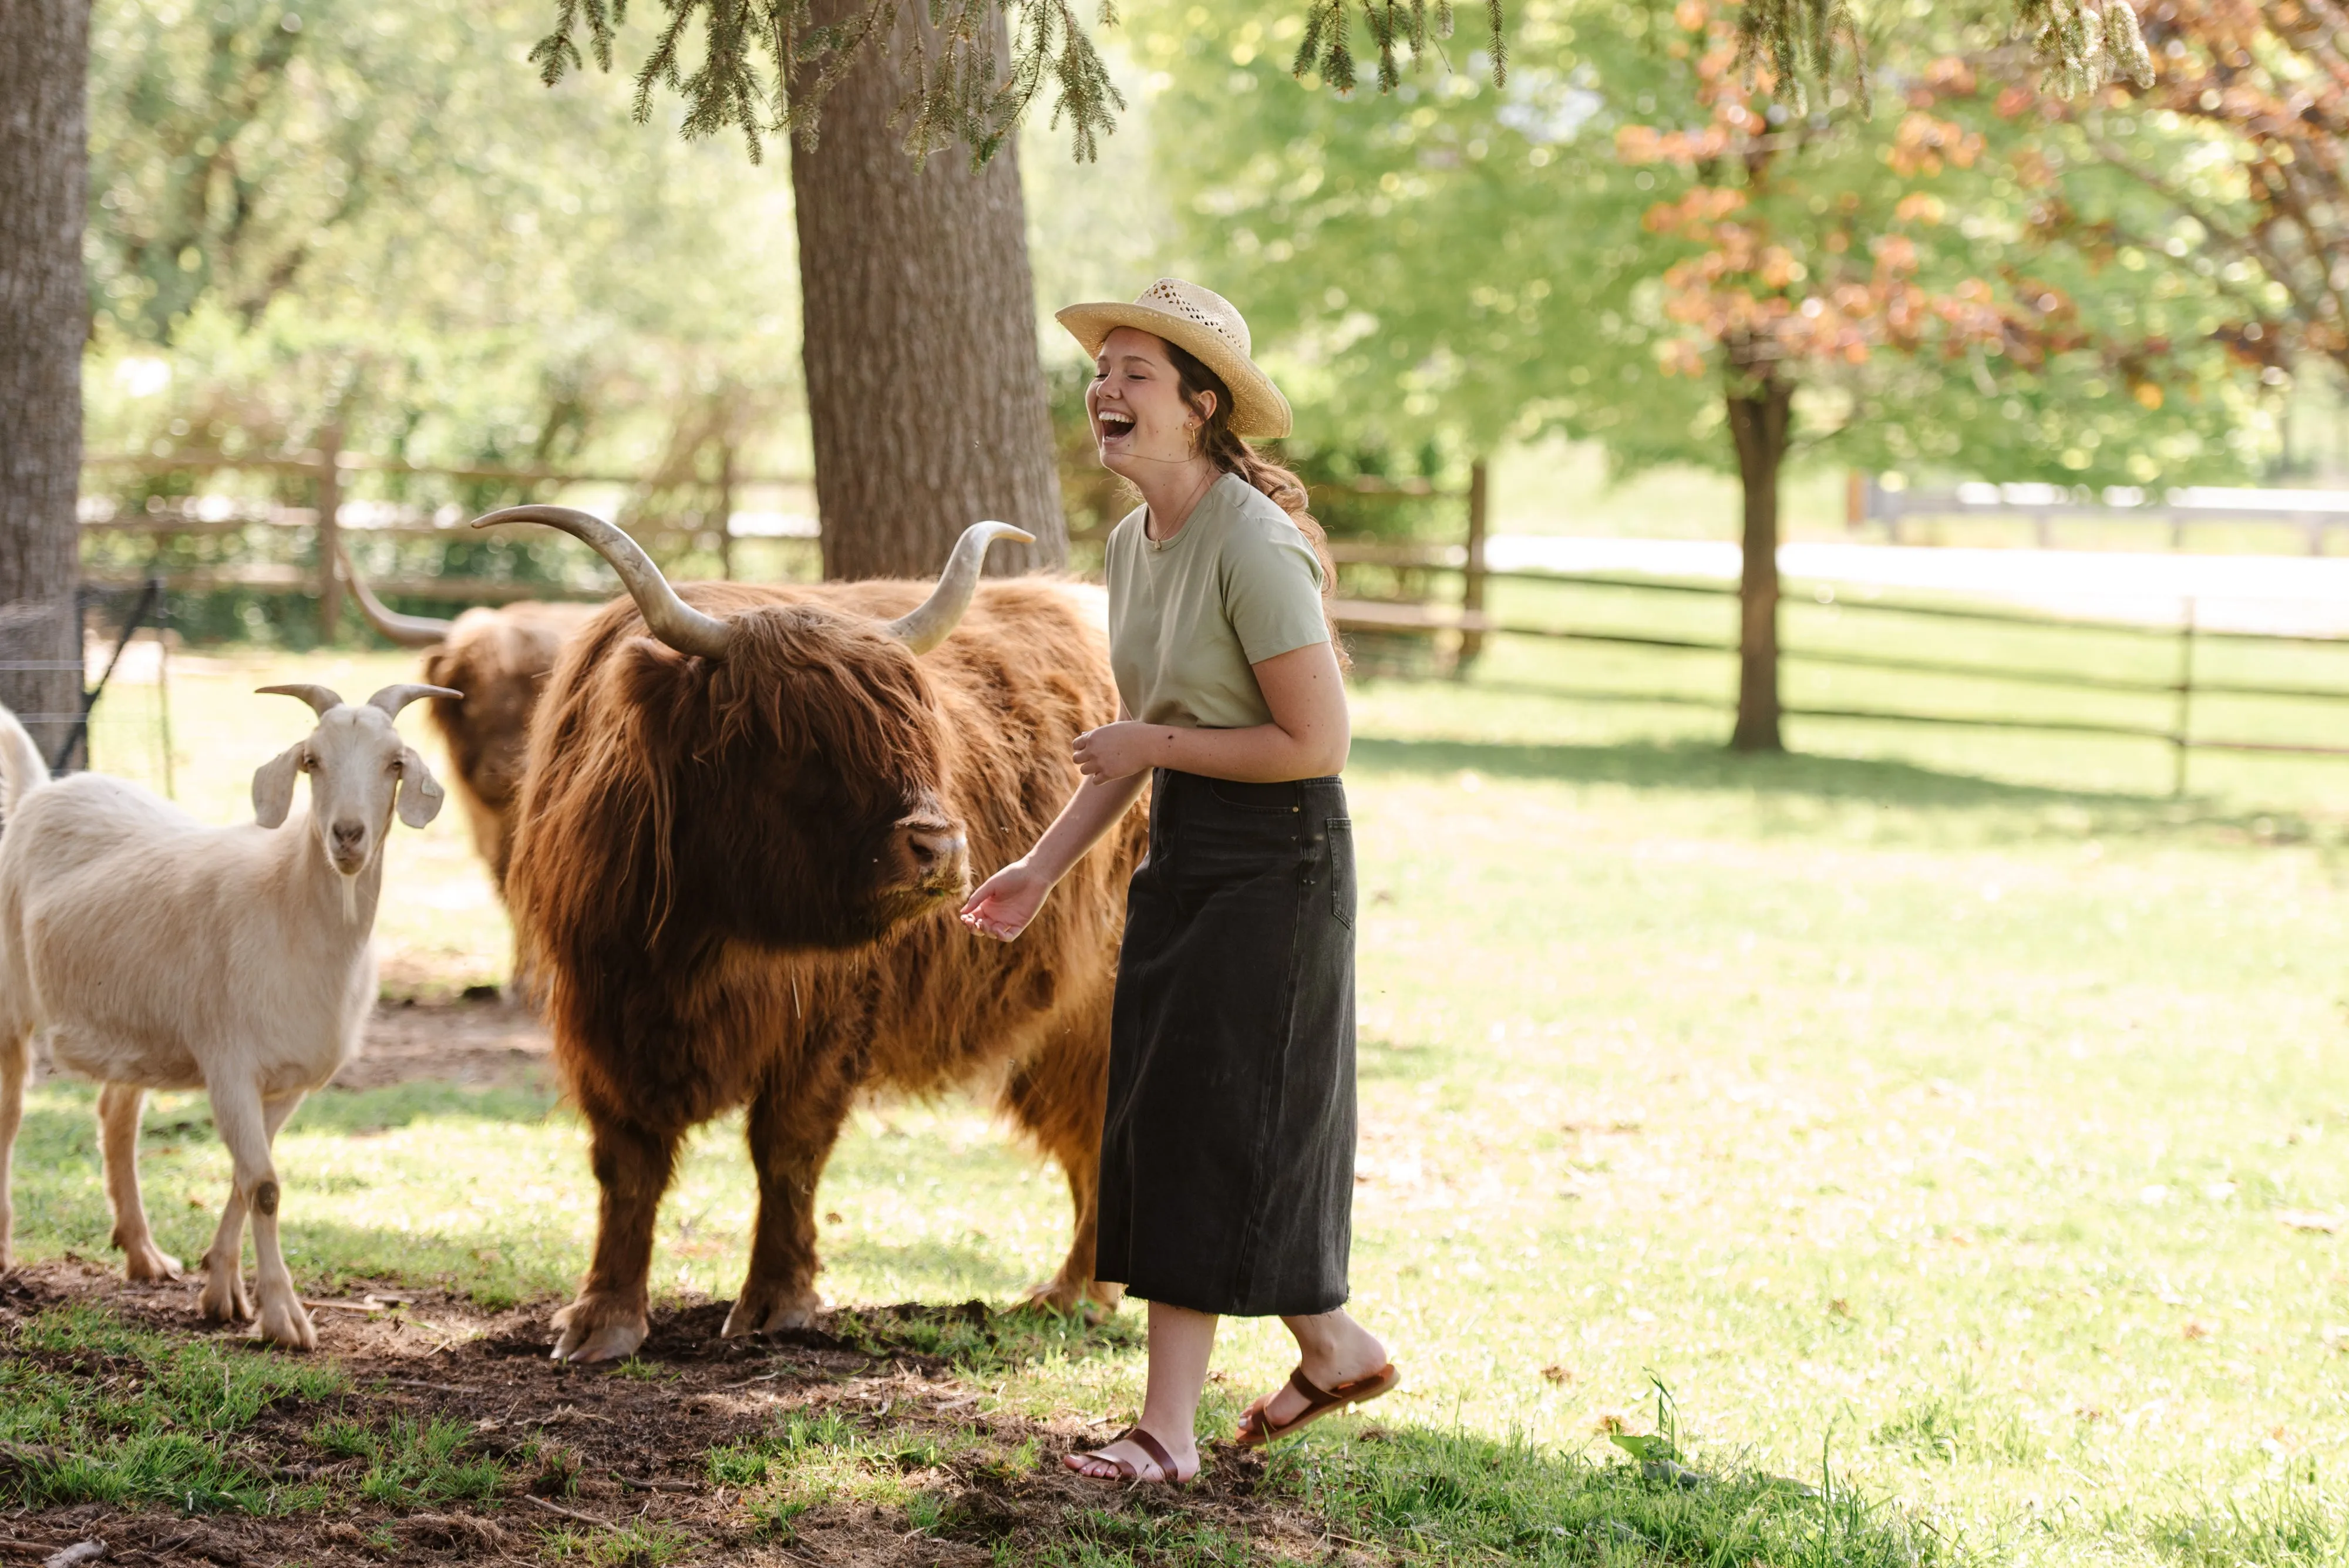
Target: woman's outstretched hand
{"x": 1002, "y": 906}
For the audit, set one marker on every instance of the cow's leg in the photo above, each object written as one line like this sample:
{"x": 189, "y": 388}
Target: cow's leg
{"x": 14, "y": 1059}
{"x": 794, "y": 1122}
{"x": 1057, "y": 1098}
{"x": 119, "y": 1106}
{"x": 613, "y": 1312}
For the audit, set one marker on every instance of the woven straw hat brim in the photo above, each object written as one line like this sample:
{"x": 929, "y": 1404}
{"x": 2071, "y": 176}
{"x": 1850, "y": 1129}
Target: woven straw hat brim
{"x": 1259, "y": 410}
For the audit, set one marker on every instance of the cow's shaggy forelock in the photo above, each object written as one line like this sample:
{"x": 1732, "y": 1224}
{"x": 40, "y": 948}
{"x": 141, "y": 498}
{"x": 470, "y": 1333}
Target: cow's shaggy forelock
{"x": 764, "y": 781}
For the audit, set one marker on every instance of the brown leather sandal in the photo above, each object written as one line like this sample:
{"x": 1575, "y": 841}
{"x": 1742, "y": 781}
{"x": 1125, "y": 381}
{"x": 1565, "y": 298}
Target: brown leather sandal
{"x": 1257, "y": 1429}
{"x": 1128, "y": 1471}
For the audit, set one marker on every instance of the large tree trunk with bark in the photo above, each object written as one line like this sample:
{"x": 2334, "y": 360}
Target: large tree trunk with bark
{"x": 1760, "y": 414}
{"x": 43, "y": 321}
{"x": 925, "y": 395}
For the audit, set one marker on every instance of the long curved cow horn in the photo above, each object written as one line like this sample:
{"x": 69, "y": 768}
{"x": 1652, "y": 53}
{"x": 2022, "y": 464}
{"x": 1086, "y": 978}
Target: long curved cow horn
{"x": 667, "y": 617}
{"x": 320, "y": 697}
{"x": 392, "y": 698}
{"x": 924, "y": 627}
{"x": 406, "y": 630}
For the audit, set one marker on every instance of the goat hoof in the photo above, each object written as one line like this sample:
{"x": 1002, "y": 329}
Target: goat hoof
{"x": 767, "y": 1310}
{"x": 225, "y": 1301}
{"x": 145, "y": 1262}
{"x": 598, "y": 1329}
{"x": 286, "y": 1323}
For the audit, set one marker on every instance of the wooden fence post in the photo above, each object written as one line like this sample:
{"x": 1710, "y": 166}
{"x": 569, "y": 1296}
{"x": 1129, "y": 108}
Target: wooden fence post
{"x": 1471, "y": 577}
{"x": 326, "y": 490}
{"x": 2182, "y": 718}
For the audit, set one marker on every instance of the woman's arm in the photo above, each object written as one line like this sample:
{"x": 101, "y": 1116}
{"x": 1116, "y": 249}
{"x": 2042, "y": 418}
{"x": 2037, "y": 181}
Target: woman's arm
{"x": 1002, "y": 906}
{"x": 1308, "y": 737}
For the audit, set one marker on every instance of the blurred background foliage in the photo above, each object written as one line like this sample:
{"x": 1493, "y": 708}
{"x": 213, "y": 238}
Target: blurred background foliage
{"x": 1465, "y": 266}
{"x": 318, "y": 220}
{"x": 330, "y": 220}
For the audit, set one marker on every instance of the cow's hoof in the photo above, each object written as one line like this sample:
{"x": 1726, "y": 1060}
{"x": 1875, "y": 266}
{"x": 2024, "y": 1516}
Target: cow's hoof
{"x": 145, "y": 1262}
{"x": 284, "y": 1323}
{"x": 762, "y": 1309}
{"x": 223, "y": 1299}
{"x": 1090, "y": 1299}
{"x": 597, "y": 1328}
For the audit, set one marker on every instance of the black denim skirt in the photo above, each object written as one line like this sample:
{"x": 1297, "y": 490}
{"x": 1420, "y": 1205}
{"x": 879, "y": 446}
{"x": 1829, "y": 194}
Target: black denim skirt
{"x": 1228, "y": 1158}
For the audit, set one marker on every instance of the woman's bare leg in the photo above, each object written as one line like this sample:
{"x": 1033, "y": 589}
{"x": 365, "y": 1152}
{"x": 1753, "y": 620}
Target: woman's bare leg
{"x": 1332, "y": 1349}
{"x": 1181, "y": 1341}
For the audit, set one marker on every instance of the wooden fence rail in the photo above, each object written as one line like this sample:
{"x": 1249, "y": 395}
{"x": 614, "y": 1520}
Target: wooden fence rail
{"x": 1435, "y": 618}
{"x": 329, "y": 469}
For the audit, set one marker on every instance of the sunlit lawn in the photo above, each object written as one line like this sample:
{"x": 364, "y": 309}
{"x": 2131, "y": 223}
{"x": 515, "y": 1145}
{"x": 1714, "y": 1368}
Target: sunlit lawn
{"x": 1969, "y": 1131}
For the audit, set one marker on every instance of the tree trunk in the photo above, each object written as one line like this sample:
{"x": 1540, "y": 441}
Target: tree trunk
{"x": 925, "y": 394}
{"x": 1759, "y": 420}
{"x": 43, "y": 321}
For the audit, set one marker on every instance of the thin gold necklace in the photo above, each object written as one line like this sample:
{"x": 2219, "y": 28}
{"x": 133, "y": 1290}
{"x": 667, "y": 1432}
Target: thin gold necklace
{"x": 1188, "y": 507}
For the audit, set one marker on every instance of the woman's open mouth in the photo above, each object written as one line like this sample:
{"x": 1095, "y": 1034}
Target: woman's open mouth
{"x": 1114, "y": 425}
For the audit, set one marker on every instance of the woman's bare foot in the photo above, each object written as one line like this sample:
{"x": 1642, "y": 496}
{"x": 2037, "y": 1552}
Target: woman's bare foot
{"x": 1332, "y": 1350}
{"x": 1101, "y": 1463}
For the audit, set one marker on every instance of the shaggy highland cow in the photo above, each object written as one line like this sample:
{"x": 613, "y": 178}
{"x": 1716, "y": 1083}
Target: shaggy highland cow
{"x": 500, "y": 658}
{"x": 748, "y": 817}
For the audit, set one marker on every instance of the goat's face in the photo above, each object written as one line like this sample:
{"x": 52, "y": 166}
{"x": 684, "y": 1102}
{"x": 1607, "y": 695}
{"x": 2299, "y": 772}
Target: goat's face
{"x": 360, "y": 773}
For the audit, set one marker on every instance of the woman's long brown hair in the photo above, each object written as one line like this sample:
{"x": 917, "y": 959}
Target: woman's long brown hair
{"x": 1230, "y": 451}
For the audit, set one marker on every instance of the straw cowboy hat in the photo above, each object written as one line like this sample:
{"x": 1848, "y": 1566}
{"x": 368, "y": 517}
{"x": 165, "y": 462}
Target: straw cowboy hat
{"x": 1203, "y": 324}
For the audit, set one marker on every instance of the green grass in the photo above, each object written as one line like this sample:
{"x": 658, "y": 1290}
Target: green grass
{"x": 1938, "y": 1105}
{"x": 411, "y": 1463}
{"x": 92, "y": 1411}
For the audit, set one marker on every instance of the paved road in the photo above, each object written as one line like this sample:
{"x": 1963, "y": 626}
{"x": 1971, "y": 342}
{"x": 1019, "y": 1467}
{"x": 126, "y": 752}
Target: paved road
{"x": 2297, "y": 594}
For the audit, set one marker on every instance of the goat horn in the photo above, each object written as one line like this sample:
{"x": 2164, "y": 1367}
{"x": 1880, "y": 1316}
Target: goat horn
{"x": 320, "y": 698}
{"x": 666, "y": 616}
{"x": 392, "y": 698}
{"x": 933, "y": 621}
{"x": 406, "y": 630}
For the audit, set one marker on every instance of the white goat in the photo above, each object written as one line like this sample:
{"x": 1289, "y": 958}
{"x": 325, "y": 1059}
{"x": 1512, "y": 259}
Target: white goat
{"x": 158, "y": 953}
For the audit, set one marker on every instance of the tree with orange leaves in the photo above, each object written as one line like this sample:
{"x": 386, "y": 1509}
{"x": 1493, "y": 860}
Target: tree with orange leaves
{"x": 2265, "y": 83}
{"x": 1633, "y": 244}
{"x": 1932, "y": 255}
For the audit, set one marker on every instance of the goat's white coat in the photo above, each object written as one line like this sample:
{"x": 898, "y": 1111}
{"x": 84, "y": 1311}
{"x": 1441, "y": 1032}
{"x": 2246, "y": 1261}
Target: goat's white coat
{"x": 155, "y": 952}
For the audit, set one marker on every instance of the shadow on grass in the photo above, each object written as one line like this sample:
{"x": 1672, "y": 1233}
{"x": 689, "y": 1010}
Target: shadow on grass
{"x": 979, "y": 1340}
{"x": 1706, "y": 765}
{"x": 346, "y": 1111}
{"x": 1449, "y": 1496}
{"x": 935, "y": 1265}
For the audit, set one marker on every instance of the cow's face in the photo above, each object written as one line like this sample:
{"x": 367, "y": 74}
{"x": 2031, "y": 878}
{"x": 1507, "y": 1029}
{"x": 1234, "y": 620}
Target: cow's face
{"x": 809, "y": 784}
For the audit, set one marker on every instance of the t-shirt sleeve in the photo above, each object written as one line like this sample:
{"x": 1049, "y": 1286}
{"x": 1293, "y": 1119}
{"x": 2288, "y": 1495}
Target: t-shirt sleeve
{"x": 1272, "y": 588}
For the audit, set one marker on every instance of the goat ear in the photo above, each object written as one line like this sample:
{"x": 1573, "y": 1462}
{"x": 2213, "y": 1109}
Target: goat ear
{"x": 419, "y": 792}
{"x": 272, "y": 787}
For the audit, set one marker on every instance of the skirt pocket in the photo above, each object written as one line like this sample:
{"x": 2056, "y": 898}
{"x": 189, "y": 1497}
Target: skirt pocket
{"x": 1341, "y": 830}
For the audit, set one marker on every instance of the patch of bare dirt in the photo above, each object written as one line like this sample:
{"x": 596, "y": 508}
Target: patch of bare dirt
{"x": 481, "y": 1040}
{"x": 595, "y": 1451}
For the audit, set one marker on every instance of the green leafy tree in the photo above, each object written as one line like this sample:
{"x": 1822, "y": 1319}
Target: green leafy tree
{"x": 1629, "y": 243}
{"x": 357, "y": 220}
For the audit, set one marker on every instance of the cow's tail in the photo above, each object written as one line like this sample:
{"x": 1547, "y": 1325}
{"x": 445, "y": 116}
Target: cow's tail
{"x": 23, "y": 769}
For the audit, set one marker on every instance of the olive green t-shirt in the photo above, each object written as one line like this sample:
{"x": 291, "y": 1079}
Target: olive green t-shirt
{"x": 1188, "y": 615}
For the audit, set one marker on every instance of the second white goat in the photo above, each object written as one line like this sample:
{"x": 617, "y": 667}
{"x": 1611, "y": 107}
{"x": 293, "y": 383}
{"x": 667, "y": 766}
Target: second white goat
{"x": 158, "y": 953}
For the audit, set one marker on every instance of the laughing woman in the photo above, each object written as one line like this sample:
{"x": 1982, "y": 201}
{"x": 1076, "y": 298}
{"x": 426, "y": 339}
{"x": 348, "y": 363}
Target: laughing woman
{"x": 1227, "y": 1157}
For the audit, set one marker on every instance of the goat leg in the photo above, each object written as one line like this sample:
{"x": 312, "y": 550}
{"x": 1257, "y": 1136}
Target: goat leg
{"x": 613, "y": 1312}
{"x": 248, "y": 1125}
{"x": 12, "y": 1114}
{"x": 119, "y": 1106}
{"x": 794, "y": 1122}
